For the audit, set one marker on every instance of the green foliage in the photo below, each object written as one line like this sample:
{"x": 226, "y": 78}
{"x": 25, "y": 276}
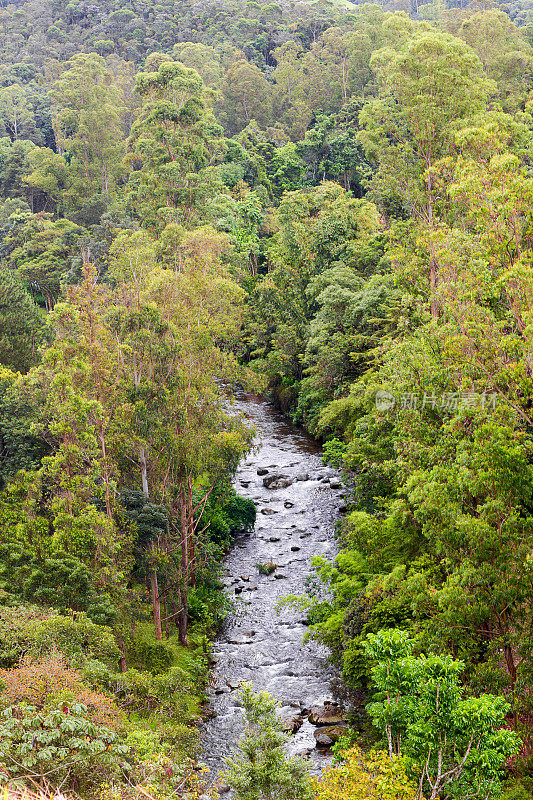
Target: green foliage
{"x": 362, "y": 775}
{"x": 453, "y": 745}
{"x": 58, "y": 741}
{"x": 23, "y": 327}
{"x": 31, "y": 631}
{"x": 266, "y": 569}
{"x": 260, "y": 770}
{"x": 364, "y": 228}
{"x": 155, "y": 657}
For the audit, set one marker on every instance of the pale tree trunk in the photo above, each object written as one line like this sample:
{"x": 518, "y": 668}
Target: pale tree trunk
{"x": 144, "y": 471}
{"x": 156, "y": 604}
{"x": 184, "y": 592}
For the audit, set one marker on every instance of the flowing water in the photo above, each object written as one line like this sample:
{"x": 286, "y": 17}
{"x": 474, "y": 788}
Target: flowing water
{"x": 259, "y": 643}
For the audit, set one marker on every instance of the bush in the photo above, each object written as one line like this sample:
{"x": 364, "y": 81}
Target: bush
{"x": 261, "y": 768}
{"x": 60, "y": 742}
{"x": 39, "y": 683}
{"x": 61, "y": 581}
{"x": 33, "y": 631}
{"x": 364, "y": 776}
{"x": 156, "y": 657}
{"x": 171, "y": 693}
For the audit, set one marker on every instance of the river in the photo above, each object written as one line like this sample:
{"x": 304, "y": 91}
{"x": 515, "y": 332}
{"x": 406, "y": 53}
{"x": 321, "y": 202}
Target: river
{"x": 259, "y": 643}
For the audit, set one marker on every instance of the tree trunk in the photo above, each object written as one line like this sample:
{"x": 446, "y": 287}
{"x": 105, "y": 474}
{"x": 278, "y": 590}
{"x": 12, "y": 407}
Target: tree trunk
{"x": 156, "y": 605}
{"x": 183, "y": 619}
{"x": 184, "y": 535}
{"x": 122, "y": 660}
{"x": 144, "y": 471}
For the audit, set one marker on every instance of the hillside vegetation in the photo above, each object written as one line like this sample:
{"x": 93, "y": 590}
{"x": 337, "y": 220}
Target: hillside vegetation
{"x": 328, "y": 202}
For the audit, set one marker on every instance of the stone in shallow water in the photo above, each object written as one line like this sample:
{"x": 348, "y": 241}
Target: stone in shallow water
{"x": 276, "y": 481}
{"x": 262, "y": 471}
{"x": 292, "y": 723}
{"x": 326, "y": 715}
{"x": 327, "y": 736}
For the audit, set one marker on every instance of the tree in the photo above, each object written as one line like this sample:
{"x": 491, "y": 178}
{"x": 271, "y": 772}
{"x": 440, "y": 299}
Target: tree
{"x": 504, "y": 52}
{"x": 260, "y": 770}
{"x": 22, "y": 325}
{"x": 40, "y": 250}
{"x": 87, "y": 112}
{"x": 173, "y": 329}
{"x": 454, "y": 745}
{"x": 247, "y": 96}
{"x": 171, "y": 141}
{"x": 426, "y": 89}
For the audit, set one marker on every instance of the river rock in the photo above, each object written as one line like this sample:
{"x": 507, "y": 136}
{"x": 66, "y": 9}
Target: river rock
{"x": 292, "y": 723}
{"x": 327, "y": 736}
{"x": 327, "y": 714}
{"x": 335, "y": 484}
{"x": 273, "y": 538}
{"x": 322, "y": 741}
{"x": 288, "y": 504}
{"x": 276, "y": 481}
{"x": 279, "y": 577}
{"x": 295, "y": 548}
{"x": 262, "y": 471}
{"x": 268, "y": 511}
{"x": 303, "y": 476}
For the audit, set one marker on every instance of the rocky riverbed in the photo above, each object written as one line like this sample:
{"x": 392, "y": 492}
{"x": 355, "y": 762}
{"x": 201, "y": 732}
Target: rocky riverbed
{"x": 297, "y": 501}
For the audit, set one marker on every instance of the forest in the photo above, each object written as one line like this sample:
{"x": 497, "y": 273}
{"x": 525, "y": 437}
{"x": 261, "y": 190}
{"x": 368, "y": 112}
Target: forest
{"x": 325, "y": 202}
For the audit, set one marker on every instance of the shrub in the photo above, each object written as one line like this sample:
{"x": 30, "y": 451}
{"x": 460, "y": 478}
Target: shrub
{"x": 261, "y": 769}
{"x": 39, "y": 683}
{"x": 362, "y": 777}
{"x": 33, "y": 631}
{"x": 156, "y": 657}
{"x": 60, "y": 743}
{"x": 267, "y": 569}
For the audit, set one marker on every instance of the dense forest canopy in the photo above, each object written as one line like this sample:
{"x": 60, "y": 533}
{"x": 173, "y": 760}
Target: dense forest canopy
{"x": 330, "y": 202}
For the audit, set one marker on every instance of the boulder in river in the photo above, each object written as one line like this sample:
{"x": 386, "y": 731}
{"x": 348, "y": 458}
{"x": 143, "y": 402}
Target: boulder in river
{"x": 303, "y": 476}
{"x": 327, "y": 714}
{"x": 262, "y": 471}
{"x": 276, "y": 481}
{"x": 327, "y": 736}
{"x": 292, "y": 723}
